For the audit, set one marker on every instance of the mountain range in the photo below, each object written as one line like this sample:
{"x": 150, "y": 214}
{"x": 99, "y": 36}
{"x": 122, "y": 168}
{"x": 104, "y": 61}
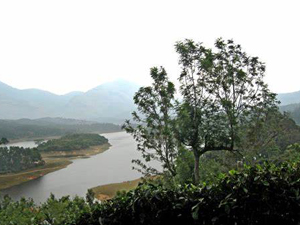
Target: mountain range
{"x": 290, "y": 102}
{"x": 109, "y": 102}
{"x": 49, "y": 127}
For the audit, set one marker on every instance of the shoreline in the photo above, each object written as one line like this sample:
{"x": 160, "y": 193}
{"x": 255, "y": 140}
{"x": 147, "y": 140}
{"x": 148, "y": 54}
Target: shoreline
{"x": 53, "y": 161}
{"x": 108, "y": 191}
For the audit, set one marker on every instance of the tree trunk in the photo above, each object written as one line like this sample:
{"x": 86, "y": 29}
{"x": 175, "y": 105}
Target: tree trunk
{"x": 196, "y": 168}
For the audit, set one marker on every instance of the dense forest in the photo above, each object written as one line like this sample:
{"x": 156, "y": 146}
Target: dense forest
{"x": 46, "y": 127}
{"x": 15, "y": 159}
{"x": 73, "y": 142}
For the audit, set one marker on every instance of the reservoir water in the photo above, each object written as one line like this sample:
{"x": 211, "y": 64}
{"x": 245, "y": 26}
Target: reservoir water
{"x": 112, "y": 166}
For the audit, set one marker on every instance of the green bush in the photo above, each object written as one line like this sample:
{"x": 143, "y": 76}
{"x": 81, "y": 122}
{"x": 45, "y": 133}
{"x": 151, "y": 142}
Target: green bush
{"x": 264, "y": 194}
{"x": 63, "y": 211}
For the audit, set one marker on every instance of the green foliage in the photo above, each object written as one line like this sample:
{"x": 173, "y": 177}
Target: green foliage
{"x": 73, "y": 142}
{"x": 292, "y": 154}
{"x": 63, "y": 211}
{"x": 184, "y": 166}
{"x": 4, "y": 141}
{"x": 153, "y": 127}
{"x": 222, "y": 90}
{"x": 15, "y": 159}
{"x": 265, "y": 194}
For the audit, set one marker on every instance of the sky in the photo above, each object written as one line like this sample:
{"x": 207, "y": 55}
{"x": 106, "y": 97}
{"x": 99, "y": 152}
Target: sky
{"x": 70, "y": 45}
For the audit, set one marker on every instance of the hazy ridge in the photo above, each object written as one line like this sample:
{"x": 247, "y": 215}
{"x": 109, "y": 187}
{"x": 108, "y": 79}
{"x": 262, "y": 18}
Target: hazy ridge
{"x": 109, "y": 102}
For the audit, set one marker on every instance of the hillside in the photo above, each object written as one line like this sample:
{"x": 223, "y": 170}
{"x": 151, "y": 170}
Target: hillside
{"x": 293, "y": 110}
{"x": 289, "y": 98}
{"x": 45, "y": 127}
{"x": 290, "y": 102}
{"x": 109, "y": 102}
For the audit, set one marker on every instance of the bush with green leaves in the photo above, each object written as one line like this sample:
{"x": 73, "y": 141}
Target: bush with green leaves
{"x": 263, "y": 194}
{"x": 63, "y": 211}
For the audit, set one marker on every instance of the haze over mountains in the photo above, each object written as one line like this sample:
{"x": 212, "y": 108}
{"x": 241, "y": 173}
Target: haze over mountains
{"x": 109, "y": 102}
{"x": 289, "y": 98}
{"x": 290, "y": 102}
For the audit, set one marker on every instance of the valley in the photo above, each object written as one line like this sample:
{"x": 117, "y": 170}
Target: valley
{"x": 79, "y": 174}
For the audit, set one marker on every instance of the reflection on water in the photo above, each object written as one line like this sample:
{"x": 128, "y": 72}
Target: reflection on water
{"x": 112, "y": 166}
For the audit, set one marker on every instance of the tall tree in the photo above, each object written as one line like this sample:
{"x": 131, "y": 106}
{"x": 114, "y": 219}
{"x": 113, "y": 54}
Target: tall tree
{"x": 152, "y": 125}
{"x": 221, "y": 90}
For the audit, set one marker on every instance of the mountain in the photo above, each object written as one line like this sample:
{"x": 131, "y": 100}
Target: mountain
{"x": 290, "y": 102}
{"x": 45, "y": 127}
{"x": 109, "y": 102}
{"x": 289, "y": 98}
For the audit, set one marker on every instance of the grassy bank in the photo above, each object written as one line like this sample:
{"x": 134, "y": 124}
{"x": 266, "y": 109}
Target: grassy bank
{"x": 108, "y": 191}
{"x": 54, "y": 161}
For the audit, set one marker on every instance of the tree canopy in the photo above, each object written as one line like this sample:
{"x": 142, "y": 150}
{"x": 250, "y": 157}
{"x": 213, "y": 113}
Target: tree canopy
{"x": 15, "y": 159}
{"x": 222, "y": 93}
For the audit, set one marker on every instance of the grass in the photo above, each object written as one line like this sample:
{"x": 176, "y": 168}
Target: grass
{"x": 108, "y": 191}
{"x": 53, "y": 161}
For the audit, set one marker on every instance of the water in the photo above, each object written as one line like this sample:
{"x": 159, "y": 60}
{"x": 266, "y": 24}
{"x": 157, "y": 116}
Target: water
{"x": 112, "y": 166}
{"x": 24, "y": 144}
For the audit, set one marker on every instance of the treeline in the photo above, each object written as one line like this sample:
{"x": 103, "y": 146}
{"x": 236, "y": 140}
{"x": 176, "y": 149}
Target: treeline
{"x": 263, "y": 194}
{"x": 73, "y": 142}
{"x": 25, "y": 128}
{"x": 15, "y": 159}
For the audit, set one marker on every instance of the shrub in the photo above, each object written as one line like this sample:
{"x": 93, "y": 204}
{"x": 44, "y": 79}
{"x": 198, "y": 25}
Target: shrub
{"x": 264, "y": 194}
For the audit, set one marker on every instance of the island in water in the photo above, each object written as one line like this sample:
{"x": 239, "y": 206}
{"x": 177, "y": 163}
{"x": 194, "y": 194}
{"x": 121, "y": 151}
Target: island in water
{"x": 19, "y": 165}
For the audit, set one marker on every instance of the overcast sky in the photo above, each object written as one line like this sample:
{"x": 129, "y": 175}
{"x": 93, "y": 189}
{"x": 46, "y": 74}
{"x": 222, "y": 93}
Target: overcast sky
{"x": 63, "y": 46}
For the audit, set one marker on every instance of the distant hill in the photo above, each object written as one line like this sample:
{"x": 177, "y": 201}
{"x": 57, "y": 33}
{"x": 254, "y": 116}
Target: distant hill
{"x": 290, "y": 102}
{"x": 293, "y": 110}
{"x": 289, "y": 98}
{"x": 45, "y": 127}
{"x": 109, "y": 102}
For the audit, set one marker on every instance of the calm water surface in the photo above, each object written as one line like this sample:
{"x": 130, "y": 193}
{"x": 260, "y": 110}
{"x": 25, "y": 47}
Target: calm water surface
{"x": 112, "y": 166}
{"x": 24, "y": 144}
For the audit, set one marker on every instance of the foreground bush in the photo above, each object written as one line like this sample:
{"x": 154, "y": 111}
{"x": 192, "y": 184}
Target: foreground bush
{"x": 53, "y": 212}
{"x": 265, "y": 194}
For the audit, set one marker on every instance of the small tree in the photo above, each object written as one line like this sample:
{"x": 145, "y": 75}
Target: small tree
{"x": 153, "y": 124}
{"x": 221, "y": 91}
{"x": 4, "y": 141}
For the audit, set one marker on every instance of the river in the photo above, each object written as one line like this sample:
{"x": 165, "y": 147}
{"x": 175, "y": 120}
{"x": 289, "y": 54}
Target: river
{"x": 111, "y": 166}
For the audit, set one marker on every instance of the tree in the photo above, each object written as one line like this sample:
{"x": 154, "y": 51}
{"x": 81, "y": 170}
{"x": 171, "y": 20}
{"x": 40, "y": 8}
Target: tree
{"x": 222, "y": 91}
{"x": 153, "y": 126}
{"x": 4, "y": 141}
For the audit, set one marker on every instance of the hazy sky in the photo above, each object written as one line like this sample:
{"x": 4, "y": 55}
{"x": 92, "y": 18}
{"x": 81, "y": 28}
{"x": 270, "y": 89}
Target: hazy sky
{"x": 62, "y": 46}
